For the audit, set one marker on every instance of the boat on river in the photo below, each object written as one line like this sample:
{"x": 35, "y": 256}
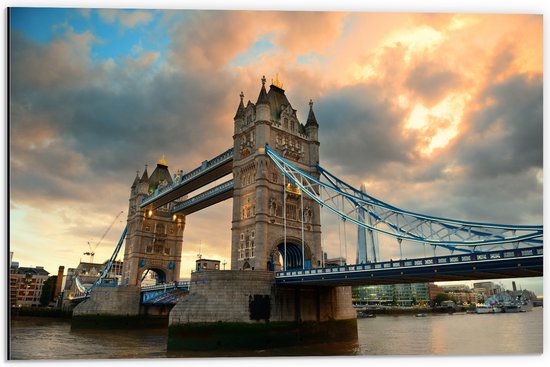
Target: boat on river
{"x": 512, "y": 308}
{"x": 484, "y": 309}
{"x": 364, "y": 315}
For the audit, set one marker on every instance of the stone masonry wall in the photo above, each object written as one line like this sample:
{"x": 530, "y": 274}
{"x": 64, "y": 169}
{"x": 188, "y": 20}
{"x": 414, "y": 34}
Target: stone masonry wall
{"x": 115, "y": 301}
{"x": 251, "y": 296}
{"x": 221, "y": 296}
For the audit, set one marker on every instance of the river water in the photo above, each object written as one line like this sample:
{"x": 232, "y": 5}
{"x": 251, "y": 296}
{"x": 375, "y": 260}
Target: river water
{"x": 438, "y": 334}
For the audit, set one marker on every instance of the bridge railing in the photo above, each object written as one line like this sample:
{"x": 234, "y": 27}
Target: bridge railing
{"x": 183, "y": 284}
{"x": 184, "y": 179}
{"x": 438, "y": 260}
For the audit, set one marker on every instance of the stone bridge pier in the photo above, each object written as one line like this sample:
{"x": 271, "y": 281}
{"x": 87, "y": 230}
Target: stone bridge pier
{"x": 237, "y": 309}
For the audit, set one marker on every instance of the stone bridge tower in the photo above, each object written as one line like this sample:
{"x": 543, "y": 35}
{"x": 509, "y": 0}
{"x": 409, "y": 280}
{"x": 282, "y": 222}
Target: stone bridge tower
{"x": 154, "y": 238}
{"x": 258, "y": 231}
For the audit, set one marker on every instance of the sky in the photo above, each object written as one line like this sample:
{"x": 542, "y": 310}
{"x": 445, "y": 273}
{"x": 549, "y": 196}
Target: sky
{"x": 440, "y": 114}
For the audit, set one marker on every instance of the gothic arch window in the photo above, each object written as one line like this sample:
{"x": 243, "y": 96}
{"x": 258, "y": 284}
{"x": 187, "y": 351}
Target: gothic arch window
{"x": 291, "y": 211}
{"x": 279, "y": 209}
{"x": 246, "y": 245}
{"x": 285, "y": 123}
{"x": 292, "y": 125}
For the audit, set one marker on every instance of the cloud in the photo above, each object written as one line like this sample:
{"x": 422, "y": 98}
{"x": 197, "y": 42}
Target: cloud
{"x": 127, "y": 18}
{"x": 507, "y": 136}
{"x": 208, "y": 40}
{"x": 431, "y": 82}
{"x": 60, "y": 64}
{"x": 86, "y": 134}
{"x": 371, "y": 128}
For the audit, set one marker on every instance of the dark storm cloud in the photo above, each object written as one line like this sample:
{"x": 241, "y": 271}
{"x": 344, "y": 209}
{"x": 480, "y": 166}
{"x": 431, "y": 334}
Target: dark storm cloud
{"x": 96, "y": 134}
{"x": 361, "y": 131}
{"x": 507, "y": 136}
{"x": 509, "y": 199}
{"x": 430, "y": 81}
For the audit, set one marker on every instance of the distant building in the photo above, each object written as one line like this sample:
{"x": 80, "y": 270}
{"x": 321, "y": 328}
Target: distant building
{"x": 490, "y": 288}
{"x": 335, "y": 261}
{"x": 463, "y": 294}
{"x": 207, "y": 265}
{"x": 391, "y": 294}
{"x": 26, "y": 285}
{"x": 464, "y": 297}
{"x": 434, "y": 290}
{"x": 58, "y": 282}
{"x": 456, "y": 288}
{"x": 87, "y": 274}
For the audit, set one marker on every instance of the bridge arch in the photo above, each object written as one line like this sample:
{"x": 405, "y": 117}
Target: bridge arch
{"x": 293, "y": 254}
{"x": 152, "y": 276}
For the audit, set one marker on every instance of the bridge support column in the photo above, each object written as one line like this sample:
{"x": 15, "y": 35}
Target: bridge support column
{"x": 113, "y": 307}
{"x": 246, "y": 310}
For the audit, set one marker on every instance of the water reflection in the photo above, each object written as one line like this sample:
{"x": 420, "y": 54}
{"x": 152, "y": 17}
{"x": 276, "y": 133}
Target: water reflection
{"x": 458, "y": 334}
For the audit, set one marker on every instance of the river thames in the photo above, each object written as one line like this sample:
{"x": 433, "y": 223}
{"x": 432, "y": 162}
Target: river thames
{"x": 459, "y": 334}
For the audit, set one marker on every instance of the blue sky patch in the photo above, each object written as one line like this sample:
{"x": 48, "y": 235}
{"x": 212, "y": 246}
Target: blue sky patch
{"x": 113, "y": 40}
{"x": 263, "y": 45}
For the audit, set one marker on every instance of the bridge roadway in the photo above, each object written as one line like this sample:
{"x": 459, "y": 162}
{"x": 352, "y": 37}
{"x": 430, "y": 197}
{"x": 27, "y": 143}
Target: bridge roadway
{"x": 155, "y": 293}
{"x": 525, "y": 262}
{"x": 206, "y": 173}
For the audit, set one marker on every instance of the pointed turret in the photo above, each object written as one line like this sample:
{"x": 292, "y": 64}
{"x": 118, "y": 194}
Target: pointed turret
{"x": 240, "y": 109}
{"x": 262, "y": 98}
{"x": 145, "y": 176}
{"x": 312, "y": 127}
{"x": 263, "y": 111}
{"x": 311, "y": 120}
{"x": 161, "y": 175}
{"x": 143, "y": 183}
{"x": 136, "y": 180}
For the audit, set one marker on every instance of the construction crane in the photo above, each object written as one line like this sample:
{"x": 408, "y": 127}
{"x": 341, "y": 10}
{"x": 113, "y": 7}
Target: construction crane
{"x": 91, "y": 253}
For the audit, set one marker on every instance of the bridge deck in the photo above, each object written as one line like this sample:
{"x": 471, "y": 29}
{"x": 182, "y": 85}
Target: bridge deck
{"x": 490, "y": 265}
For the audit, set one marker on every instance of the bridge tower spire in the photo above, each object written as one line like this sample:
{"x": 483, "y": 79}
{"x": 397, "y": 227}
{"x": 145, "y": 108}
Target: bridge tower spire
{"x": 258, "y": 225}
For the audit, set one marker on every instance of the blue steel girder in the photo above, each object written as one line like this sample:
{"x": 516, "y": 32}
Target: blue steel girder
{"x": 401, "y": 224}
{"x": 106, "y": 269}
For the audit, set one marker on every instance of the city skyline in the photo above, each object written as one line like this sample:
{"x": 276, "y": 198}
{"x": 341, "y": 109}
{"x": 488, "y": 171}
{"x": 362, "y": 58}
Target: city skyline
{"x": 439, "y": 113}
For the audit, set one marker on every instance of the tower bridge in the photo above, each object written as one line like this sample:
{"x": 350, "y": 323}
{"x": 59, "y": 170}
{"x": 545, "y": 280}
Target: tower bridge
{"x": 278, "y": 271}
